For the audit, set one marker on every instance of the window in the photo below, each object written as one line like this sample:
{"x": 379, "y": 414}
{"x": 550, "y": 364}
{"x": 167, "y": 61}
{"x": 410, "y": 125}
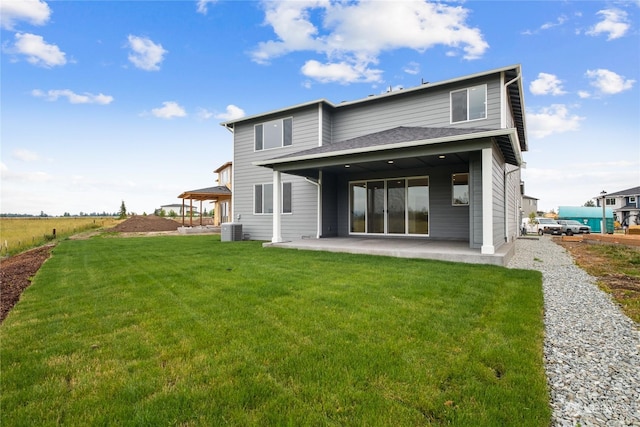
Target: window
{"x": 632, "y": 199}
{"x": 273, "y": 134}
{"x": 223, "y": 177}
{"x": 391, "y": 206}
{"x": 263, "y": 198}
{"x": 610, "y": 201}
{"x": 469, "y": 104}
{"x": 460, "y": 185}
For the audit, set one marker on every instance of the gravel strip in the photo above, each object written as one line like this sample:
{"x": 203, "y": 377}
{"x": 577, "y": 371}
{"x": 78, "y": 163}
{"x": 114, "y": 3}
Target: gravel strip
{"x": 591, "y": 349}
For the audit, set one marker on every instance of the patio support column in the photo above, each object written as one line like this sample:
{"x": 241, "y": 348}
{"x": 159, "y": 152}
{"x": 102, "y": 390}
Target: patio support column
{"x": 277, "y": 203}
{"x": 487, "y": 202}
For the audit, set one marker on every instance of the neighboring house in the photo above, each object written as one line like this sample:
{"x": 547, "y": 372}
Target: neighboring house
{"x": 178, "y": 209}
{"x": 625, "y": 205}
{"x": 219, "y": 195}
{"x": 439, "y": 161}
{"x": 529, "y": 206}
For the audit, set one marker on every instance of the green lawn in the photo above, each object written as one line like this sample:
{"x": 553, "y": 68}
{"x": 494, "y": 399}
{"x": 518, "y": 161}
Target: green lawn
{"x": 187, "y": 330}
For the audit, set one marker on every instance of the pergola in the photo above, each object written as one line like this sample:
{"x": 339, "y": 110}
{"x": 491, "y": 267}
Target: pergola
{"x": 214, "y": 194}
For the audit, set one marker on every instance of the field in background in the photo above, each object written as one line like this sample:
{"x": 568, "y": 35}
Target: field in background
{"x": 20, "y": 234}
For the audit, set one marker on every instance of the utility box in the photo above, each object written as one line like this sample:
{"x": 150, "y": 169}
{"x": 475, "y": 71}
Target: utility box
{"x": 230, "y": 232}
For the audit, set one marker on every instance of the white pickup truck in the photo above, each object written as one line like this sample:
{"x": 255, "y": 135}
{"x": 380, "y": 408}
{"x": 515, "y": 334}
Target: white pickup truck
{"x": 541, "y": 226}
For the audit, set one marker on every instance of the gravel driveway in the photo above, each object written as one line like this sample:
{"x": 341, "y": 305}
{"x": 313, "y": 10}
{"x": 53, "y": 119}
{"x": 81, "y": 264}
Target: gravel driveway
{"x": 591, "y": 349}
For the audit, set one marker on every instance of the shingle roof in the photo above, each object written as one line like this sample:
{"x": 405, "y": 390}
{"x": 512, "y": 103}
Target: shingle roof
{"x": 386, "y": 137}
{"x": 634, "y": 191}
{"x": 206, "y": 193}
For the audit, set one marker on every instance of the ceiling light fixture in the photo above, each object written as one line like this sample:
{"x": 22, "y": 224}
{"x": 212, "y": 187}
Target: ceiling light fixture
{"x": 442, "y": 156}
{"x": 347, "y": 166}
{"x": 390, "y": 162}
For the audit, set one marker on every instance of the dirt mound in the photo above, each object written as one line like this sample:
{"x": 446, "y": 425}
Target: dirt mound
{"x": 140, "y": 223}
{"x": 15, "y": 275}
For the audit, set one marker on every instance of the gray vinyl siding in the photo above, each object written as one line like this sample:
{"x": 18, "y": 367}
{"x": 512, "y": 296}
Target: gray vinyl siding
{"x": 421, "y": 108}
{"x": 513, "y": 205}
{"x": 498, "y": 199}
{"x": 475, "y": 202}
{"x": 303, "y": 219}
{"x": 327, "y": 120}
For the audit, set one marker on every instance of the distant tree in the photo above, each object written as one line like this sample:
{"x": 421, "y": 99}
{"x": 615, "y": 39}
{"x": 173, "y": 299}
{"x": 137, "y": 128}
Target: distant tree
{"x": 172, "y": 213}
{"x": 589, "y": 203}
{"x": 123, "y": 211}
{"x": 162, "y": 213}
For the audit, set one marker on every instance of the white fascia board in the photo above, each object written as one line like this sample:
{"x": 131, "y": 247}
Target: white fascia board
{"x": 278, "y": 111}
{"x": 409, "y": 144}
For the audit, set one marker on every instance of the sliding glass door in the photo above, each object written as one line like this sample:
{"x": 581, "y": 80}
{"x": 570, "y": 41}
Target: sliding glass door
{"x": 398, "y": 206}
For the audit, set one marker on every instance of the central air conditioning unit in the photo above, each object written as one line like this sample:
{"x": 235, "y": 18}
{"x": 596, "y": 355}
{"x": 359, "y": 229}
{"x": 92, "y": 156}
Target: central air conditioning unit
{"x": 231, "y": 232}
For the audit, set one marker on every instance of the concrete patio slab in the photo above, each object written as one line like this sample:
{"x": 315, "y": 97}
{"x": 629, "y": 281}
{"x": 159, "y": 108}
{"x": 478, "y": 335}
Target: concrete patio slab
{"x": 403, "y": 248}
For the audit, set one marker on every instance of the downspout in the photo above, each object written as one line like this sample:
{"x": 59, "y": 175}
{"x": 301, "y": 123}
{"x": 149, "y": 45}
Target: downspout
{"x": 318, "y": 184}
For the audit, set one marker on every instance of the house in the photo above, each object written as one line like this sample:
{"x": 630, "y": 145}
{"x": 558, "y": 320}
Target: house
{"x": 177, "y": 209}
{"x": 625, "y": 205}
{"x": 529, "y": 206}
{"x": 440, "y": 161}
{"x": 220, "y": 196}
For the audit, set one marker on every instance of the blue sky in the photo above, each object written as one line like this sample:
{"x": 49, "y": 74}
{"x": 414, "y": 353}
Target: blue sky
{"x": 105, "y": 101}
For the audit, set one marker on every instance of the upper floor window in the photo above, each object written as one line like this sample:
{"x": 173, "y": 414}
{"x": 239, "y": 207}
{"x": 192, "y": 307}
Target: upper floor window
{"x": 469, "y": 104}
{"x": 223, "y": 177}
{"x": 274, "y": 134}
{"x": 632, "y": 199}
{"x": 610, "y": 201}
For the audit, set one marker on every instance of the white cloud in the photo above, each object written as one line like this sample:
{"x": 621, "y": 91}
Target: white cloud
{"x": 145, "y": 54}
{"x": 74, "y": 98}
{"x": 546, "y": 84}
{"x": 607, "y": 82}
{"x": 547, "y": 25}
{"x": 341, "y": 72}
{"x": 204, "y": 114}
{"x": 353, "y": 34}
{"x": 37, "y": 51}
{"x": 412, "y": 68}
{"x": 614, "y": 23}
{"x": 29, "y": 176}
{"x": 25, "y": 155}
{"x": 203, "y": 6}
{"x": 169, "y": 110}
{"x": 551, "y": 120}
{"x": 233, "y": 112}
{"x": 35, "y": 12}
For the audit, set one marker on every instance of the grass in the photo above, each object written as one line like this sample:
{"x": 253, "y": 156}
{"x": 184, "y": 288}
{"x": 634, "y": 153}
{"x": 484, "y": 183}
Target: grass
{"x": 617, "y": 260}
{"x": 186, "y": 330}
{"x": 20, "y": 234}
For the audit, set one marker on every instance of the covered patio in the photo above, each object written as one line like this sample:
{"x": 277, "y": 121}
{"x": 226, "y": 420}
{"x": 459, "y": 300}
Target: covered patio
{"x": 441, "y": 250}
{"x": 213, "y": 194}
